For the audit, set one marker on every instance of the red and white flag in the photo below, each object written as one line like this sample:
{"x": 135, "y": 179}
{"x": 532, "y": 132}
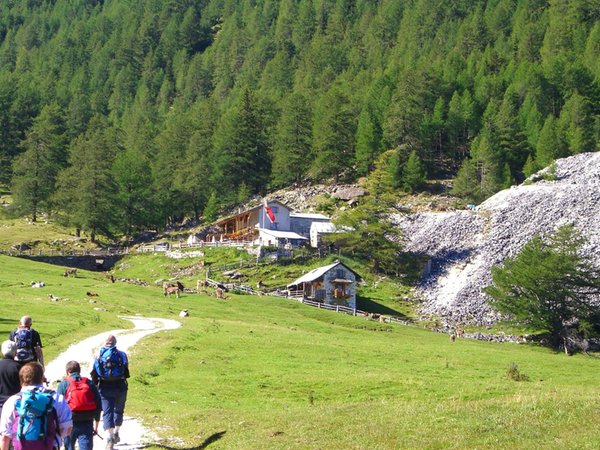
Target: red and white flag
{"x": 269, "y": 211}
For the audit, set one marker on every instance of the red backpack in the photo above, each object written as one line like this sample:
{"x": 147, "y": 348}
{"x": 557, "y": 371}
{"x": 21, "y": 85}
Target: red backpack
{"x": 79, "y": 395}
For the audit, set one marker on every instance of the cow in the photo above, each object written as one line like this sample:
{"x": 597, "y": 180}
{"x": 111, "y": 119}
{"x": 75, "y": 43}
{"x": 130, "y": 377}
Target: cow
{"x": 91, "y": 294}
{"x": 172, "y": 288}
{"x": 200, "y": 284}
{"x": 71, "y": 271}
{"x": 220, "y": 293}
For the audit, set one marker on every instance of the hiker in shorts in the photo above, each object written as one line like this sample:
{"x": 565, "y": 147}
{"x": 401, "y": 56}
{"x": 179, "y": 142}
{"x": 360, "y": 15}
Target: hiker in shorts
{"x": 83, "y": 398}
{"x": 47, "y": 415}
{"x": 28, "y": 341}
{"x": 9, "y": 372}
{"x": 110, "y": 373}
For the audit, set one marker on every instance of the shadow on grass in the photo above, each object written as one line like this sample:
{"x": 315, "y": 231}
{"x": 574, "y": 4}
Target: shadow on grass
{"x": 209, "y": 440}
{"x": 366, "y": 304}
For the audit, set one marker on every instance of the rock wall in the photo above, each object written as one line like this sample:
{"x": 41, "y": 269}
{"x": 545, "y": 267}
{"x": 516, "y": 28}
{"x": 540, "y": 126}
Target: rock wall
{"x": 464, "y": 245}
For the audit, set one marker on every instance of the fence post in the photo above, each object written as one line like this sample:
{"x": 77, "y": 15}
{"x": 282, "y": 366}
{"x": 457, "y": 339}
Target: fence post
{"x": 354, "y": 311}
{"x": 337, "y": 308}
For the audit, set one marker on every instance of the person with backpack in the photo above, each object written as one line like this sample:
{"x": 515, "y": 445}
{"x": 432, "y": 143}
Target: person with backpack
{"x": 36, "y": 418}
{"x": 110, "y": 373}
{"x": 28, "y": 342}
{"x": 83, "y": 398}
{"x": 9, "y": 372}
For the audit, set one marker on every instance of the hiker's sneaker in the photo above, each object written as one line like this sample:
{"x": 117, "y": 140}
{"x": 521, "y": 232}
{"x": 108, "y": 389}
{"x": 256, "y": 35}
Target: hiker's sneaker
{"x": 116, "y": 438}
{"x": 109, "y": 444}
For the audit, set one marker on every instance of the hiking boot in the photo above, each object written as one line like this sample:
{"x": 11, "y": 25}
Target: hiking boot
{"x": 109, "y": 444}
{"x": 116, "y": 438}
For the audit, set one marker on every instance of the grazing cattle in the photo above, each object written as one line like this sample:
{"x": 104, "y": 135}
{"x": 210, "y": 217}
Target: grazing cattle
{"x": 184, "y": 313}
{"x": 71, "y": 271}
{"x": 91, "y": 294}
{"x": 172, "y": 288}
{"x": 220, "y": 293}
{"x": 460, "y": 332}
{"x": 37, "y": 284}
{"x": 453, "y": 336}
{"x": 382, "y": 319}
{"x": 200, "y": 284}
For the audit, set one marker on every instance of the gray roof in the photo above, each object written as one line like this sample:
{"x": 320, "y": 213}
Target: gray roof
{"x": 317, "y": 273}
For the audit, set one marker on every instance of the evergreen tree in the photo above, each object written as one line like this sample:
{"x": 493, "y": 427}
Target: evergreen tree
{"x": 242, "y": 149}
{"x": 550, "y": 144}
{"x": 35, "y": 169}
{"x": 549, "y": 285}
{"x": 292, "y": 147}
{"x": 334, "y": 136}
{"x": 85, "y": 198}
{"x": 211, "y": 210}
{"x": 133, "y": 178}
{"x": 414, "y": 175}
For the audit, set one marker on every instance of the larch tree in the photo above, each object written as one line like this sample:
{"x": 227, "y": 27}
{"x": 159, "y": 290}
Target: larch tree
{"x": 550, "y": 285}
{"x": 35, "y": 169}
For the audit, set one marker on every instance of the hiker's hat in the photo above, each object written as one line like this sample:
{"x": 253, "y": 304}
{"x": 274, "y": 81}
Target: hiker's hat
{"x": 111, "y": 341}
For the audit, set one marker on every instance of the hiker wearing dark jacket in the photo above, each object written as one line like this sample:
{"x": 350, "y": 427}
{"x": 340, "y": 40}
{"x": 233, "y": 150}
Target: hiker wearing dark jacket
{"x": 110, "y": 373}
{"x": 9, "y": 372}
{"x": 85, "y": 417}
{"x": 29, "y": 351}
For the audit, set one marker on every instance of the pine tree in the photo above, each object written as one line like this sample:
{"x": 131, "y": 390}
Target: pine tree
{"x": 211, "y": 210}
{"x": 414, "y": 175}
{"x": 242, "y": 150}
{"x": 292, "y": 147}
{"x": 334, "y": 136}
{"x": 85, "y": 197}
{"x": 35, "y": 169}
{"x": 549, "y": 285}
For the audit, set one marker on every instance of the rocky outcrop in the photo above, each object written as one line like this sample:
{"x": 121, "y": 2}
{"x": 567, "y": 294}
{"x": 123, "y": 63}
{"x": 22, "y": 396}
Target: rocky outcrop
{"x": 464, "y": 245}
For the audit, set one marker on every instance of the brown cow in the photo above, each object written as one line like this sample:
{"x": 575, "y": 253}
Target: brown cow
{"x": 220, "y": 293}
{"x": 172, "y": 288}
{"x": 200, "y": 284}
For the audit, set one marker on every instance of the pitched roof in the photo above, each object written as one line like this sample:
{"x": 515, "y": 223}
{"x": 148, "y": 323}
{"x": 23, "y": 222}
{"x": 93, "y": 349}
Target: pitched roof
{"x": 318, "y": 273}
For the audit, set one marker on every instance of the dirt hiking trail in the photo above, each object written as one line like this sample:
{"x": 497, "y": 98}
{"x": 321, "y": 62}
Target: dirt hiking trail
{"x": 133, "y": 434}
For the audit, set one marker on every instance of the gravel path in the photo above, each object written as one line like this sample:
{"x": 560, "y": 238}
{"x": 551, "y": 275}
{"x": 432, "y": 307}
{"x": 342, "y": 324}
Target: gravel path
{"x": 133, "y": 434}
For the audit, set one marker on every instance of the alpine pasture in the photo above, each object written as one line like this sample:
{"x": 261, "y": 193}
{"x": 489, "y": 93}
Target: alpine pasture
{"x": 260, "y": 372}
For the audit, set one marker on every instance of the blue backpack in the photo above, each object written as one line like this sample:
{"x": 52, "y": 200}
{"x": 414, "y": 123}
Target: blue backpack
{"x": 24, "y": 344}
{"x": 110, "y": 365}
{"x": 36, "y": 422}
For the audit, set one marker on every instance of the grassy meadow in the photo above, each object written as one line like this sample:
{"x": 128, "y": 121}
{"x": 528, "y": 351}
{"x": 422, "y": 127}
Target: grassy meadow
{"x": 259, "y": 372}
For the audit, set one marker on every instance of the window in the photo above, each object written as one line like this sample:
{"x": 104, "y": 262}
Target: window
{"x": 339, "y": 273}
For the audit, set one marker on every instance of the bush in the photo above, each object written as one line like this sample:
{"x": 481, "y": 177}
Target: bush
{"x": 514, "y": 374}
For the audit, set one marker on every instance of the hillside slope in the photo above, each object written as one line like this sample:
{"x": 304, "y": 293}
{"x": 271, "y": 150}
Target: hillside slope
{"x": 464, "y": 245}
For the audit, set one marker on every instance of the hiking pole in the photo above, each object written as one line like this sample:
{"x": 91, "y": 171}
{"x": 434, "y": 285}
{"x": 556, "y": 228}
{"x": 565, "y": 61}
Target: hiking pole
{"x": 96, "y": 433}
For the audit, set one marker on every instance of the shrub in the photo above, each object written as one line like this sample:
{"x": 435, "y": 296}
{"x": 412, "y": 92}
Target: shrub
{"x": 514, "y": 374}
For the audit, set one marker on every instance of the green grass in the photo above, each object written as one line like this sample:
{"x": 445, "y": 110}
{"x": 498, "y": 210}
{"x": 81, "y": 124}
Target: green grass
{"x": 271, "y": 373}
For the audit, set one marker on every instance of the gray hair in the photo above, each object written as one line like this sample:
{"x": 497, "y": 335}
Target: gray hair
{"x": 9, "y": 349}
{"x": 26, "y": 321}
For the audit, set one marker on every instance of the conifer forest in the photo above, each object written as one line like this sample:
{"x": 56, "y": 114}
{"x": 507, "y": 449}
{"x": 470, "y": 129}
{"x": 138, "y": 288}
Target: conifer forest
{"x": 119, "y": 115}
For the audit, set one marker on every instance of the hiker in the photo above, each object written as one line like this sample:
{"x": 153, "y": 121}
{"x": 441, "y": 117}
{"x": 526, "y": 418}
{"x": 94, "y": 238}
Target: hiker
{"x": 83, "y": 398}
{"x": 9, "y": 372}
{"x": 35, "y": 418}
{"x": 110, "y": 373}
{"x": 28, "y": 341}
